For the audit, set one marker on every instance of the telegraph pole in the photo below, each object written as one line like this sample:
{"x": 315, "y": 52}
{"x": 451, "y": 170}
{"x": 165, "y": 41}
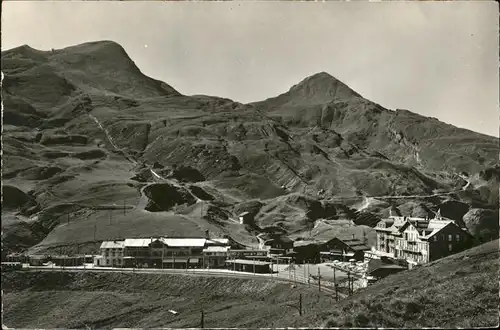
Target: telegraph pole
{"x": 123, "y": 207}
{"x": 349, "y": 283}
{"x": 294, "y": 274}
{"x": 319, "y": 280}
{"x": 95, "y": 230}
{"x": 202, "y": 323}
{"x": 349, "y": 279}
{"x": 304, "y": 273}
{"x": 308, "y": 276}
{"x": 300, "y": 304}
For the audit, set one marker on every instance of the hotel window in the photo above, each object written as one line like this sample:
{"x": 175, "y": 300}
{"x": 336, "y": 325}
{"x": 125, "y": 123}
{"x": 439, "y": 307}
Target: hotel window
{"x": 450, "y": 247}
{"x": 450, "y": 238}
{"x": 458, "y": 237}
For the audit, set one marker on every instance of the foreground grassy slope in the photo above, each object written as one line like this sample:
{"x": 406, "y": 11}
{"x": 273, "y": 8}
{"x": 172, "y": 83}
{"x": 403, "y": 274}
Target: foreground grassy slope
{"x": 458, "y": 291}
{"x": 103, "y": 300}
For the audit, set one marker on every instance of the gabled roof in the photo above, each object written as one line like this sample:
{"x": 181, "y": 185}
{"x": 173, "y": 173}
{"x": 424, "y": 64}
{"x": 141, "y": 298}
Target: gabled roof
{"x": 362, "y": 247}
{"x": 218, "y": 241}
{"x": 113, "y": 245}
{"x": 306, "y": 243}
{"x": 137, "y": 242}
{"x": 184, "y": 242}
{"x": 440, "y": 226}
{"x": 353, "y": 243}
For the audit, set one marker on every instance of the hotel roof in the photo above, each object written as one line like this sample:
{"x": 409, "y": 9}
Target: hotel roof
{"x": 184, "y": 242}
{"x": 113, "y": 245}
{"x": 218, "y": 241}
{"x": 137, "y": 242}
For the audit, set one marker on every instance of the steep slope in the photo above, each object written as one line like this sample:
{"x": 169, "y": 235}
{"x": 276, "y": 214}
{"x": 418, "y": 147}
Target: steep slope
{"x": 459, "y": 291}
{"x": 91, "y": 141}
{"x": 113, "y": 300}
{"x": 322, "y": 100}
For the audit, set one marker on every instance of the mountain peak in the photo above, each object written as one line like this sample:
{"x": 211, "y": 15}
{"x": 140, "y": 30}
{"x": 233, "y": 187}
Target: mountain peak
{"x": 96, "y": 65}
{"x": 322, "y": 87}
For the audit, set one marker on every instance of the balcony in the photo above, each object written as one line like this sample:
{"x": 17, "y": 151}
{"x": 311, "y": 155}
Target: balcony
{"x": 411, "y": 249}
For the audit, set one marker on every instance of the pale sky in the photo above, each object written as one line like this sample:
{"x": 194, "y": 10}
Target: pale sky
{"x": 438, "y": 59}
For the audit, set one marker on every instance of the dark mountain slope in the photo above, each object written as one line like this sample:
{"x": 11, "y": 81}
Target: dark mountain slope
{"x": 87, "y": 132}
{"x": 321, "y": 100}
{"x": 102, "y": 66}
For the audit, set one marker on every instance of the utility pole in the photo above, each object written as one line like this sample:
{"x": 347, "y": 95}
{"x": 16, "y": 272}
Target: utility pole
{"x": 304, "y": 272}
{"x": 336, "y": 292}
{"x": 109, "y": 213}
{"x": 300, "y": 304}
{"x": 319, "y": 280}
{"x": 123, "y": 207}
{"x": 308, "y": 276}
{"x": 334, "y": 275}
{"x": 202, "y": 323}
{"x": 68, "y": 218}
{"x": 294, "y": 273}
{"x": 349, "y": 280}
{"x": 95, "y": 230}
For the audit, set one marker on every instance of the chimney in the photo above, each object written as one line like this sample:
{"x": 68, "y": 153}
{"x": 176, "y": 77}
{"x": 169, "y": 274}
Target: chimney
{"x": 207, "y": 236}
{"x": 352, "y": 236}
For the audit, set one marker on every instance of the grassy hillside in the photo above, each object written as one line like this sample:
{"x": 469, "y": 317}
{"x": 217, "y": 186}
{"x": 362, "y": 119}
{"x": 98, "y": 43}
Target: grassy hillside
{"x": 83, "y": 128}
{"x": 460, "y": 291}
{"x": 70, "y": 300}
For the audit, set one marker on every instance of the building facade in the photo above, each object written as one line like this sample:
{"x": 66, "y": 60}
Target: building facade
{"x": 420, "y": 240}
{"x": 278, "y": 246}
{"x": 111, "y": 254}
{"x": 215, "y": 256}
{"x": 343, "y": 249}
{"x": 159, "y": 252}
